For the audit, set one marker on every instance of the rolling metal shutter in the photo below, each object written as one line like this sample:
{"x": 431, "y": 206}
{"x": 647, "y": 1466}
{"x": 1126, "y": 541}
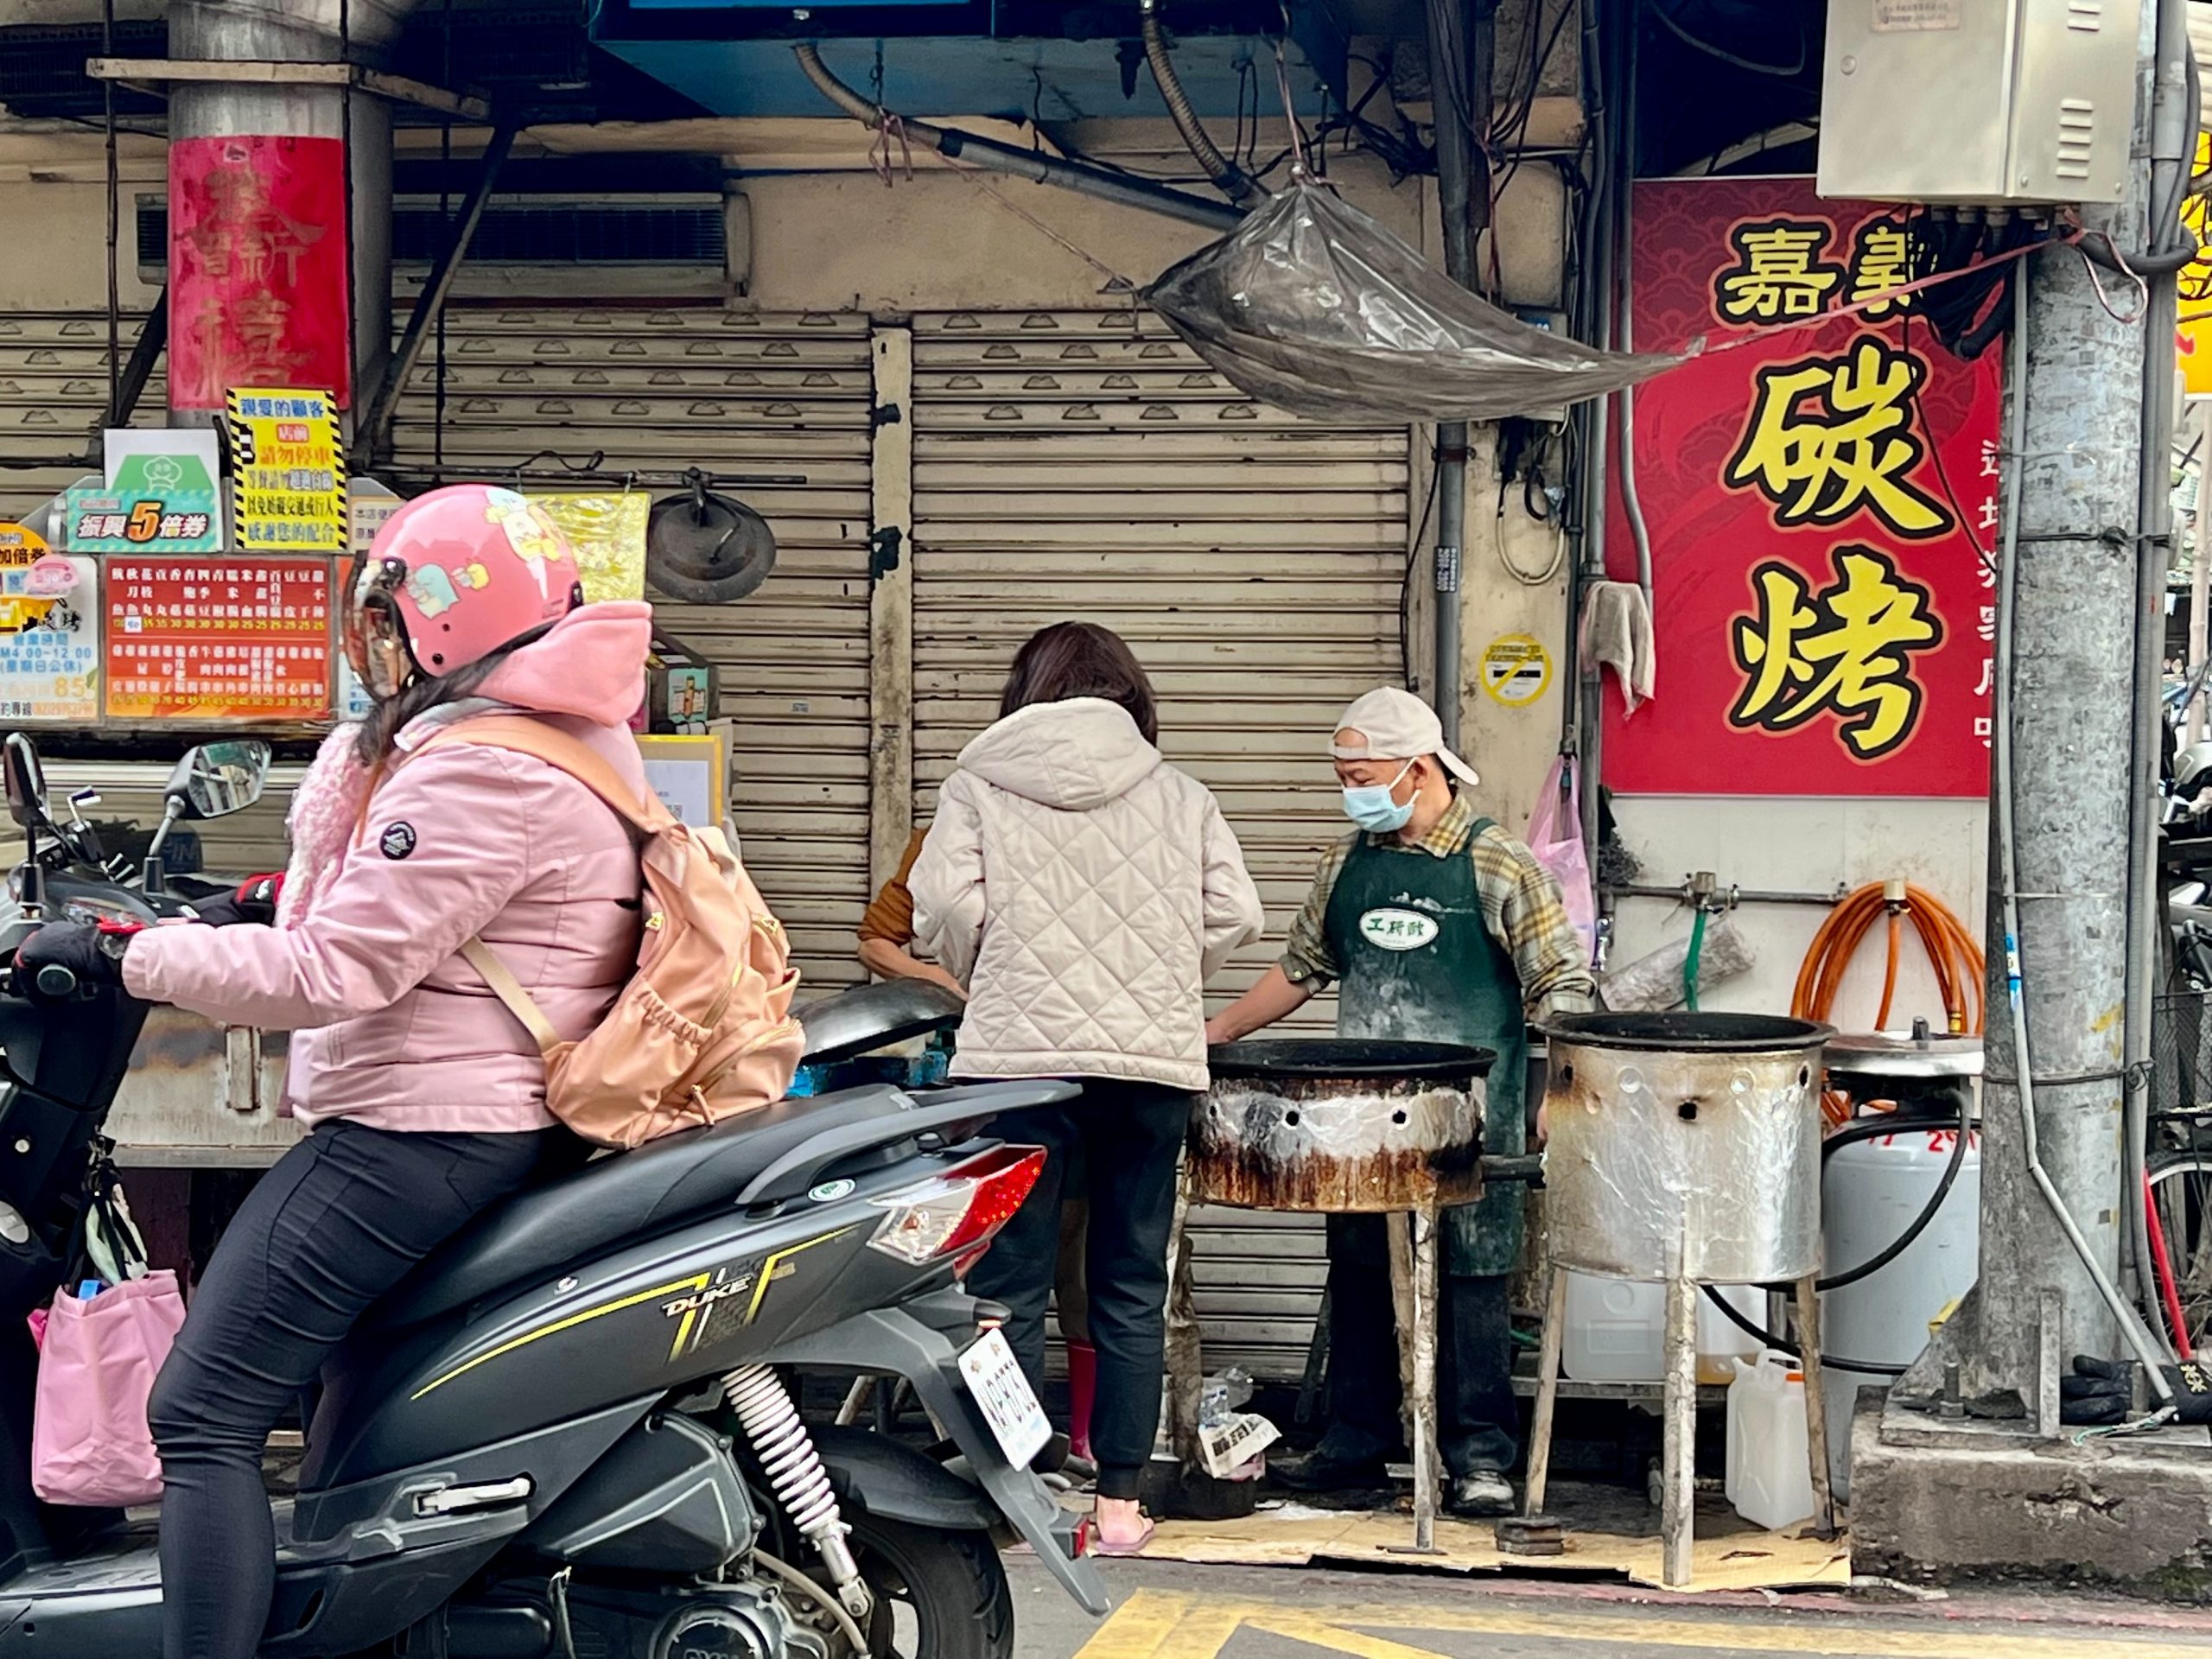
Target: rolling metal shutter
{"x": 660, "y": 389}
{"x": 1088, "y": 464}
{"x": 53, "y": 398}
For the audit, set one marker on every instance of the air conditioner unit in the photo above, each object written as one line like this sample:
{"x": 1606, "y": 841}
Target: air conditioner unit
{"x": 676, "y": 230}
{"x": 2002, "y": 102}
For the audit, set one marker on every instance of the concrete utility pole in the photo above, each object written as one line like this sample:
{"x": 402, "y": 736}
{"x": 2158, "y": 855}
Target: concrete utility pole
{"x": 2073, "y": 625}
{"x": 304, "y": 31}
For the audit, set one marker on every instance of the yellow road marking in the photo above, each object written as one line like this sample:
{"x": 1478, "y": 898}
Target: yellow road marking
{"x": 1156, "y": 1624}
{"x": 1315, "y": 1633}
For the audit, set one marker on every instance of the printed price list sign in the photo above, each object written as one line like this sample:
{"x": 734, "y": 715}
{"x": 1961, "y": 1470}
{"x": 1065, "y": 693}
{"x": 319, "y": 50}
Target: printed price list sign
{"x": 49, "y": 631}
{"x": 220, "y": 639}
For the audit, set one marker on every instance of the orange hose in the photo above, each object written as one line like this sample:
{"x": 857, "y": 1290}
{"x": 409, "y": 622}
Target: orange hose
{"x": 1890, "y": 974}
{"x": 1954, "y": 956}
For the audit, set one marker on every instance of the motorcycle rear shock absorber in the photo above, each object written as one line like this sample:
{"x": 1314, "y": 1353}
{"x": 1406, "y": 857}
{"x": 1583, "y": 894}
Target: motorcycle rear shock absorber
{"x": 794, "y": 1469}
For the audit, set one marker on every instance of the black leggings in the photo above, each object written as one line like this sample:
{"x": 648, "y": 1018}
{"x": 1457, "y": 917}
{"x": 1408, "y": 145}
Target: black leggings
{"x": 1129, "y": 1134}
{"x": 337, "y": 1223}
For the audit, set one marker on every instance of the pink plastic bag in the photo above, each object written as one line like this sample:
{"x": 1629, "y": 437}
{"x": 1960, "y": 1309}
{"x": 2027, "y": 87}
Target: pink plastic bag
{"x": 89, "y": 1444}
{"x": 1555, "y": 837}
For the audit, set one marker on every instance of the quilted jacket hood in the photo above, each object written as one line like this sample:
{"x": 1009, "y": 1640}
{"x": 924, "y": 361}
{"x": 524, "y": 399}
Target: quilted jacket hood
{"x": 1075, "y": 755}
{"x": 1084, "y": 890}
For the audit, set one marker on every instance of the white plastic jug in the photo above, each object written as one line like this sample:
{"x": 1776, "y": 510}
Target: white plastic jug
{"x": 1617, "y": 1328}
{"x": 1769, "y": 1471}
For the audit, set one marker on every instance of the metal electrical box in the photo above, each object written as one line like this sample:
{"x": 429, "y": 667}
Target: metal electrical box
{"x": 1996, "y": 101}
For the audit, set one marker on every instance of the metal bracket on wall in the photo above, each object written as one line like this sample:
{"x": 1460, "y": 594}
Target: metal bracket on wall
{"x": 149, "y": 75}
{"x": 373, "y": 434}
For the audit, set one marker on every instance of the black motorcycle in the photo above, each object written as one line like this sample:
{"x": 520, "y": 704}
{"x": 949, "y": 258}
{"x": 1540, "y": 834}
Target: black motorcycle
{"x": 570, "y": 1432}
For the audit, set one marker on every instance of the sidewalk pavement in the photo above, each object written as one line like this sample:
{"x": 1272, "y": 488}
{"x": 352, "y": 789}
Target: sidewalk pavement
{"x": 1173, "y": 1610}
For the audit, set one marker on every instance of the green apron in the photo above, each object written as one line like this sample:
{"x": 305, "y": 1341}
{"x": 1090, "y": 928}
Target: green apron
{"x": 1417, "y": 965}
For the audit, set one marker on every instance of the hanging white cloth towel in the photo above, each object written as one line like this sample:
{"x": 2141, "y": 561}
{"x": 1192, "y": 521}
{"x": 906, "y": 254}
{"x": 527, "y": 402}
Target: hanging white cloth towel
{"x": 1617, "y": 634}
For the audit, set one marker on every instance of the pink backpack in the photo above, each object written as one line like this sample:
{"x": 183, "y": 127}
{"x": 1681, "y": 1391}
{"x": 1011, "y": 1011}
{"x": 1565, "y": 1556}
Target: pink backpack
{"x": 703, "y": 1030}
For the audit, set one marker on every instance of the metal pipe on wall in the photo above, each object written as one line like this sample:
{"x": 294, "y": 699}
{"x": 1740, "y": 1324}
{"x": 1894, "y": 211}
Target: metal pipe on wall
{"x": 1597, "y": 325}
{"x": 1459, "y": 83}
{"x": 2200, "y": 570}
{"x": 993, "y": 157}
{"x": 1229, "y": 178}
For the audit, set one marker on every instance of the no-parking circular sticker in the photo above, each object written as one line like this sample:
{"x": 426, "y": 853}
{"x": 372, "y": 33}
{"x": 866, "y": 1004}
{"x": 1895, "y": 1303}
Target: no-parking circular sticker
{"x": 1516, "y": 669}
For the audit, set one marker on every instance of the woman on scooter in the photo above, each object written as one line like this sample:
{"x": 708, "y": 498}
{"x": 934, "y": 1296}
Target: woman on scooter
{"x": 425, "y": 1098}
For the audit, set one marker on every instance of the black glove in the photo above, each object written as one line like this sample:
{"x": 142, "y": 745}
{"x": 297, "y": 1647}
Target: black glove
{"x": 2102, "y": 1391}
{"x": 91, "y": 952}
{"x": 255, "y": 902}
{"x": 2191, "y": 1381}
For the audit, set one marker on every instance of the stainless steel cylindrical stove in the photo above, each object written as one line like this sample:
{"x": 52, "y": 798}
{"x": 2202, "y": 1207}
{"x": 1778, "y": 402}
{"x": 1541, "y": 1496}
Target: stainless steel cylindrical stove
{"x": 1685, "y": 1146}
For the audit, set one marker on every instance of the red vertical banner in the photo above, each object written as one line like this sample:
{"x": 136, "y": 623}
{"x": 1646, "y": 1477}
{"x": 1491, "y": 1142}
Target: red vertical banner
{"x": 257, "y": 252}
{"x": 1821, "y": 503}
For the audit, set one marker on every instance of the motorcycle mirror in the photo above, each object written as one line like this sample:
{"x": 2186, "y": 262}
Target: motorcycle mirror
{"x": 216, "y": 779}
{"x": 26, "y": 781}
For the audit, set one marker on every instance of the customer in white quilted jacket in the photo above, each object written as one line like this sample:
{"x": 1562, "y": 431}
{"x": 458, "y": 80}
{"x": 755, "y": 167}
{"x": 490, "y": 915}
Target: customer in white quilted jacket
{"x": 1084, "y": 889}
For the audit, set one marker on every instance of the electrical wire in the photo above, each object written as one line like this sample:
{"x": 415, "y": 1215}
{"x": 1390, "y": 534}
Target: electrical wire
{"x": 1769, "y": 1339}
{"x": 1780, "y": 72}
{"x": 114, "y": 225}
{"x": 1413, "y": 550}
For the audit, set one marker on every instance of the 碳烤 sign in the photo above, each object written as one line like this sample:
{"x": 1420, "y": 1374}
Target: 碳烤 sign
{"x": 1821, "y": 503}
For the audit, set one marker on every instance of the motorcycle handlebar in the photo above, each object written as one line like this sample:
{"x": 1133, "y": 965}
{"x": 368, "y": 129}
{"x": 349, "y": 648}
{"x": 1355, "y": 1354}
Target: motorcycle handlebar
{"x": 54, "y": 981}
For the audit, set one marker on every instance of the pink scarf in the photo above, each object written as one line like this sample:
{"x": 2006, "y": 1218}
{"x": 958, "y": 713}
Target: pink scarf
{"x": 328, "y": 806}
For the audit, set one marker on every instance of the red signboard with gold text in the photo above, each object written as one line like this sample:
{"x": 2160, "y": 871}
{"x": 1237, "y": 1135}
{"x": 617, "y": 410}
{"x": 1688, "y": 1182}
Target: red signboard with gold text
{"x": 1818, "y": 501}
{"x": 217, "y": 638}
{"x": 258, "y": 294}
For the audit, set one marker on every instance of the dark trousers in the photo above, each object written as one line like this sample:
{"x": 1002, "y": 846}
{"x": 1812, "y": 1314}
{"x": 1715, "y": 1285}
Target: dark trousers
{"x": 1479, "y": 1420}
{"x": 1129, "y": 1134}
{"x": 337, "y": 1223}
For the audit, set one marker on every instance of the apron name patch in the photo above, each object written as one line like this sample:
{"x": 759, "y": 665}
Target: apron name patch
{"x": 1392, "y": 929}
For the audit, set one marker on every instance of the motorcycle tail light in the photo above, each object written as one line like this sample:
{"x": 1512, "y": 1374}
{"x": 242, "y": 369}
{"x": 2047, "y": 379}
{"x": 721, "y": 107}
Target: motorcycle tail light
{"x": 962, "y": 1210}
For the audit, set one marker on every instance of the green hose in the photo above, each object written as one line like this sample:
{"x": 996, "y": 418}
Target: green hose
{"x": 1690, "y": 962}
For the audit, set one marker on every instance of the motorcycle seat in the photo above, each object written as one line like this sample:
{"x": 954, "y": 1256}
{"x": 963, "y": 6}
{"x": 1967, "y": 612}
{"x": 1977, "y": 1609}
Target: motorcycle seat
{"x": 617, "y": 1198}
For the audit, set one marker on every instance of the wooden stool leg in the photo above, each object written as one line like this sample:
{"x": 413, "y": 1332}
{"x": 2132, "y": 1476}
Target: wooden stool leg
{"x": 1678, "y": 1514}
{"x": 1816, "y": 1415}
{"x": 1540, "y": 1431}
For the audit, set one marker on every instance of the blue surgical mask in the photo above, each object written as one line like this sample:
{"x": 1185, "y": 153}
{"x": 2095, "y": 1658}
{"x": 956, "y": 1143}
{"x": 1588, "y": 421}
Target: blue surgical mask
{"x": 1370, "y": 807}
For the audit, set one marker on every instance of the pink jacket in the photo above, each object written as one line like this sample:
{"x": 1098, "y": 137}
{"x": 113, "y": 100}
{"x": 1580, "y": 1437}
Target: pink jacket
{"x": 391, "y": 1027}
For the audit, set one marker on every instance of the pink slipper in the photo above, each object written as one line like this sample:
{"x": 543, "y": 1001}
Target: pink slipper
{"x": 1134, "y": 1547}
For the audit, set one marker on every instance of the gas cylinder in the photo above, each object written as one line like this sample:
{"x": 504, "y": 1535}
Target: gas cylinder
{"x": 1871, "y": 1192}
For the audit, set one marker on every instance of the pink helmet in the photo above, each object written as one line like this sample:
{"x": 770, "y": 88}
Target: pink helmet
{"x": 454, "y": 576}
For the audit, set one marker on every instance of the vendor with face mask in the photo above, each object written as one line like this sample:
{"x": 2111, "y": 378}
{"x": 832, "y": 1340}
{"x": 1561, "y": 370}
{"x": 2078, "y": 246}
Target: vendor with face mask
{"x": 1498, "y": 952}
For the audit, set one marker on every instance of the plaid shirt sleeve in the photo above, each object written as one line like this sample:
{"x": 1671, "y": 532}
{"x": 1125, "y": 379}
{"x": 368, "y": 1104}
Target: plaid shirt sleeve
{"x": 1523, "y": 909}
{"x": 1306, "y": 959}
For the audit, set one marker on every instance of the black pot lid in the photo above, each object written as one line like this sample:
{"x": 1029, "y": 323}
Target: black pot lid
{"x": 1695, "y": 1033}
{"x": 1310, "y": 1059}
{"x": 869, "y": 1017}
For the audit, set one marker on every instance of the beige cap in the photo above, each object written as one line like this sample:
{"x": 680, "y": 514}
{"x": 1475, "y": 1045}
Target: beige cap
{"x": 1398, "y": 726}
